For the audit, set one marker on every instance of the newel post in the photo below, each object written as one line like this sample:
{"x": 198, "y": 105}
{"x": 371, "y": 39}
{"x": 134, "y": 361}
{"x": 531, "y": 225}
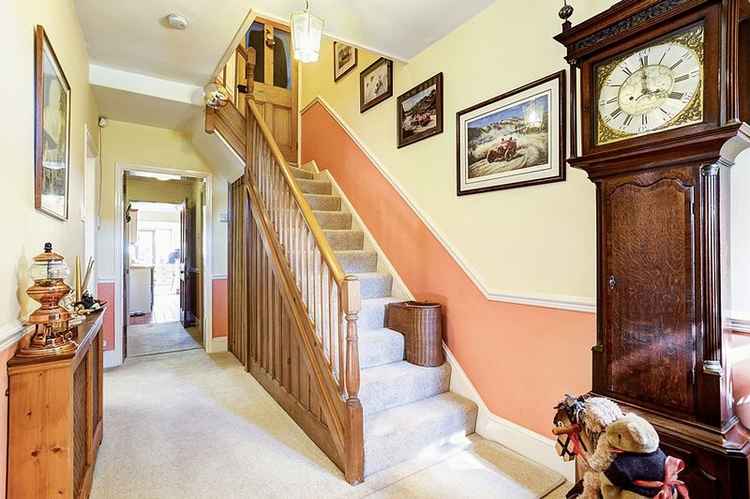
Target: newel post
{"x": 355, "y": 443}
{"x": 352, "y": 305}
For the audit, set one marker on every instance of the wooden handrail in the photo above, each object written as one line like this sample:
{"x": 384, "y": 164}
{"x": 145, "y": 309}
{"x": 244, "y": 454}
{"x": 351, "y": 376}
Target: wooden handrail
{"x": 299, "y": 197}
{"x": 288, "y": 260}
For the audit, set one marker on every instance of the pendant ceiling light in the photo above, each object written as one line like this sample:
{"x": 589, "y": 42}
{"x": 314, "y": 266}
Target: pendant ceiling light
{"x": 307, "y": 30}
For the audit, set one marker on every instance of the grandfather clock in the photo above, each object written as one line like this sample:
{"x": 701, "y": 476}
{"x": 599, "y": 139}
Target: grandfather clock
{"x": 664, "y": 89}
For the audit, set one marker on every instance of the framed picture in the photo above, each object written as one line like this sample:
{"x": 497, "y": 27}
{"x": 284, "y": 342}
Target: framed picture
{"x": 514, "y": 140}
{"x": 419, "y": 112}
{"x": 344, "y": 60}
{"x": 375, "y": 84}
{"x": 52, "y": 130}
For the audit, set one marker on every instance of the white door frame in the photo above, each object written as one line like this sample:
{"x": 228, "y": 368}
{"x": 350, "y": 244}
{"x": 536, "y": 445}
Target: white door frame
{"x": 114, "y": 357}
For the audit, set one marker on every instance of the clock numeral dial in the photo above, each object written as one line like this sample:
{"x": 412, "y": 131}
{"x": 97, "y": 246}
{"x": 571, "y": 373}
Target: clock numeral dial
{"x": 652, "y": 89}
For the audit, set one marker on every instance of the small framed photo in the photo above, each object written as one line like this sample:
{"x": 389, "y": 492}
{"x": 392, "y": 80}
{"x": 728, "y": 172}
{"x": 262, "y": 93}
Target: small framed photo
{"x": 344, "y": 59}
{"x": 51, "y": 130}
{"x": 419, "y": 112}
{"x": 375, "y": 84}
{"x": 516, "y": 139}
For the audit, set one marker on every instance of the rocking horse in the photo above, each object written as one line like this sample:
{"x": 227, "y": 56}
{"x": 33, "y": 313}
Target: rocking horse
{"x": 617, "y": 455}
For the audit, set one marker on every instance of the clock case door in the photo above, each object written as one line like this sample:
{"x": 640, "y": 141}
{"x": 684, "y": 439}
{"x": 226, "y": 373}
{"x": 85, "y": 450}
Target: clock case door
{"x": 710, "y": 18}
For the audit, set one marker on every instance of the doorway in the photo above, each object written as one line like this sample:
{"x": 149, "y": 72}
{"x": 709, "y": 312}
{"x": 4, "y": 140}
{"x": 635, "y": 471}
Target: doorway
{"x": 164, "y": 246}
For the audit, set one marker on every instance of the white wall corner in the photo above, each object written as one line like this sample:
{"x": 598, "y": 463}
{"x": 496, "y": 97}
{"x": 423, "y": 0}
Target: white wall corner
{"x": 127, "y": 81}
{"x": 528, "y": 443}
{"x": 560, "y": 302}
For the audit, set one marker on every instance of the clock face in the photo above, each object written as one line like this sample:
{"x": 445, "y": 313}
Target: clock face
{"x": 654, "y": 88}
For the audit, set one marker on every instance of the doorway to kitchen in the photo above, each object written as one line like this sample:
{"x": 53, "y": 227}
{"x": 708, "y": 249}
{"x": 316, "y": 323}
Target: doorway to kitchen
{"x": 162, "y": 263}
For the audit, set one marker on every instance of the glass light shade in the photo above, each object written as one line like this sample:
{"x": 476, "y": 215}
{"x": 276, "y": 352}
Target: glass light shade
{"x": 48, "y": 266}
{"x": 307, "y": 31}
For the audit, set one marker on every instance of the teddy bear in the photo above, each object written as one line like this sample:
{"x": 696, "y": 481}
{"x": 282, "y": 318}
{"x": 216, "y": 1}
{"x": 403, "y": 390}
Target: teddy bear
{"x": 631, "y": 465}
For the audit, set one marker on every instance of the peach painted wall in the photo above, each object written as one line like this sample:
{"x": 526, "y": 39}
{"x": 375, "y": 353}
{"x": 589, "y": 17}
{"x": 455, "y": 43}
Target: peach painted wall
{"x": 219, "y": 308}
{"x": 521, "y": 359}
{"x": 106, "y": 292}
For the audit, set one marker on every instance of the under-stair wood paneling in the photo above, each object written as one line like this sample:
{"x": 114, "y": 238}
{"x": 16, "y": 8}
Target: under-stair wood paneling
{"x": 276, "y": 357}
{"x": 239, "y": 302}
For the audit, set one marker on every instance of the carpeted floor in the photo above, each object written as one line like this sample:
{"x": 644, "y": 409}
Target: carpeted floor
{"x": 190, "y": 425}
{"x": 148, "y": 339}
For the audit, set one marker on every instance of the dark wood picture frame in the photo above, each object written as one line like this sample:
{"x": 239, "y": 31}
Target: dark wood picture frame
{"x": 356, "y": 61}
{"x": 437, "y": 82}
{"x": 42, "y": 44}
{"x": 364, "y": 106}
{"x": 560, "y": 136}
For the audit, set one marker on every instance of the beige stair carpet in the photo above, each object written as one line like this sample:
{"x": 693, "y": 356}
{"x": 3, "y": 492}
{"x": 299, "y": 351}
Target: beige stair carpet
{"x": 190, "y": 425}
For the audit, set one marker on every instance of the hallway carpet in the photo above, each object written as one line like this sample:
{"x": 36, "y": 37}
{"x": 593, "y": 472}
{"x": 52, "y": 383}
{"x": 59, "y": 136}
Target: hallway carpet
{"x": 148, "y": 339}
{"x": 189, "y": 425}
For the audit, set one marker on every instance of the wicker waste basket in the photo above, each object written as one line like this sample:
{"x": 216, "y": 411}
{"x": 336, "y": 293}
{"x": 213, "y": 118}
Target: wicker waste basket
{"x": 420, "y": 324}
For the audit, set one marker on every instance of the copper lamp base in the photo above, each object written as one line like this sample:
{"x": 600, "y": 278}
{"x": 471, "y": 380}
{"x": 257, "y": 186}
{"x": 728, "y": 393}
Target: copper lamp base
{"x": 46, "y": 341}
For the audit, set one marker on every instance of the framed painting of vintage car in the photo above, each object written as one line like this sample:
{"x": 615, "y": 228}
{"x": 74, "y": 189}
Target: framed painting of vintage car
{"x": 375, "y": 84}
{"x": 344, "y": 60}
{"x": 516, "y": 139}
{"x": 419, "y": 112}
{"x": 52, "y": 130}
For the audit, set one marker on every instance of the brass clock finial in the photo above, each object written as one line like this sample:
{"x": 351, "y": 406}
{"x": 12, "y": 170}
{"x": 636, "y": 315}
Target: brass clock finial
{"x": 565, "y": 12}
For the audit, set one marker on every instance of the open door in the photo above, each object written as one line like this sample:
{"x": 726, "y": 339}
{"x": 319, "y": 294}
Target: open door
{"x": 188, "y": 266}
{"x": 125, "y": 270}
{"x": 275, "y": 81}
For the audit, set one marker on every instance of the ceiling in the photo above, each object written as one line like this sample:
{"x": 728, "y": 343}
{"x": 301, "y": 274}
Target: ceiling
{"x": 130, "y": 35}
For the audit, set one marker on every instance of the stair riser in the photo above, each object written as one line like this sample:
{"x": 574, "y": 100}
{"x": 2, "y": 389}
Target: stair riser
{"x": 334, "y": 220}
{"x": 384, "y": 351}
{"x": 349, "y": 240}
{"x": 371, "y": 316}
{"x": 323, "y": 202}
{"x": 376, "y": 287}
{"x": 380, "y": 394}
{"x": 385, "y": 450}
{"x": 314, "y": 186}
{"x": 357, "y": 262}
{"x": 302, "y": 174}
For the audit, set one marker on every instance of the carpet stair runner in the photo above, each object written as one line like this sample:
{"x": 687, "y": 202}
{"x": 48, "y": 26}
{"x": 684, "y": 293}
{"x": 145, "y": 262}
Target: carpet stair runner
{"x": 408, "y": 409}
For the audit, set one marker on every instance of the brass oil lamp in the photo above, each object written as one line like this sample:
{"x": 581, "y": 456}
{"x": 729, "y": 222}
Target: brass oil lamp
{"x": 53, "y": 334}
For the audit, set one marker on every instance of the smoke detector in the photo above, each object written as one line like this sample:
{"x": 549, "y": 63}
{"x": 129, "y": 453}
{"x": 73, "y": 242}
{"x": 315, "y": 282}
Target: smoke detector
{"x": 176, "y": 21}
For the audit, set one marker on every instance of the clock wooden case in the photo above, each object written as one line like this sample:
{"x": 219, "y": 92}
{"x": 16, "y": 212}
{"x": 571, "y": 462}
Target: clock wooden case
{"x": 663, "y": 95}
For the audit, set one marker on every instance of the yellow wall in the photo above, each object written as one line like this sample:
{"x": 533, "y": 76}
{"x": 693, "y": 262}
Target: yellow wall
{"x": 534, "y": 241}
{"x": 24, "y": 228}
{"x": 133, "y": 144}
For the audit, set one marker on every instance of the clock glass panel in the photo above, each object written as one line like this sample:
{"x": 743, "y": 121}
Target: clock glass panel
{"x": 654, "y": 88}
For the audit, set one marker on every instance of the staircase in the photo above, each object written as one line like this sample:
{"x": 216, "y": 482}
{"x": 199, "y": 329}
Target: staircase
{"x": 408, "y": 409}
{"x": 308, "y": 294}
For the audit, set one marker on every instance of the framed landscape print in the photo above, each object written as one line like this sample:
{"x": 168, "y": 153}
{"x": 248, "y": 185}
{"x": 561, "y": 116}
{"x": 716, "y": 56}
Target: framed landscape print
{"x": 514, "y": 140}
{"x": 344, "y": 59}
{"x": 375, "y": 84}
{"x": 419, "y": 112}
{"x": 52, "y": 130}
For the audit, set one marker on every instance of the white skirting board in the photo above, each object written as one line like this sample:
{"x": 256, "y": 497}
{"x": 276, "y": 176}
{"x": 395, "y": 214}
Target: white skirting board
{"x": 218, "y": 345}
{"x": 528, "y": 443}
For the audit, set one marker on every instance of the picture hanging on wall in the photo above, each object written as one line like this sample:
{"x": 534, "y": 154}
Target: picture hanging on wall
{"x": 375, "y": 84}
{"x": 344, "y": 60}
{"x": 52, "y": 130}
{"x": 419, "y": 112}
{"x": 516, "y": 139}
